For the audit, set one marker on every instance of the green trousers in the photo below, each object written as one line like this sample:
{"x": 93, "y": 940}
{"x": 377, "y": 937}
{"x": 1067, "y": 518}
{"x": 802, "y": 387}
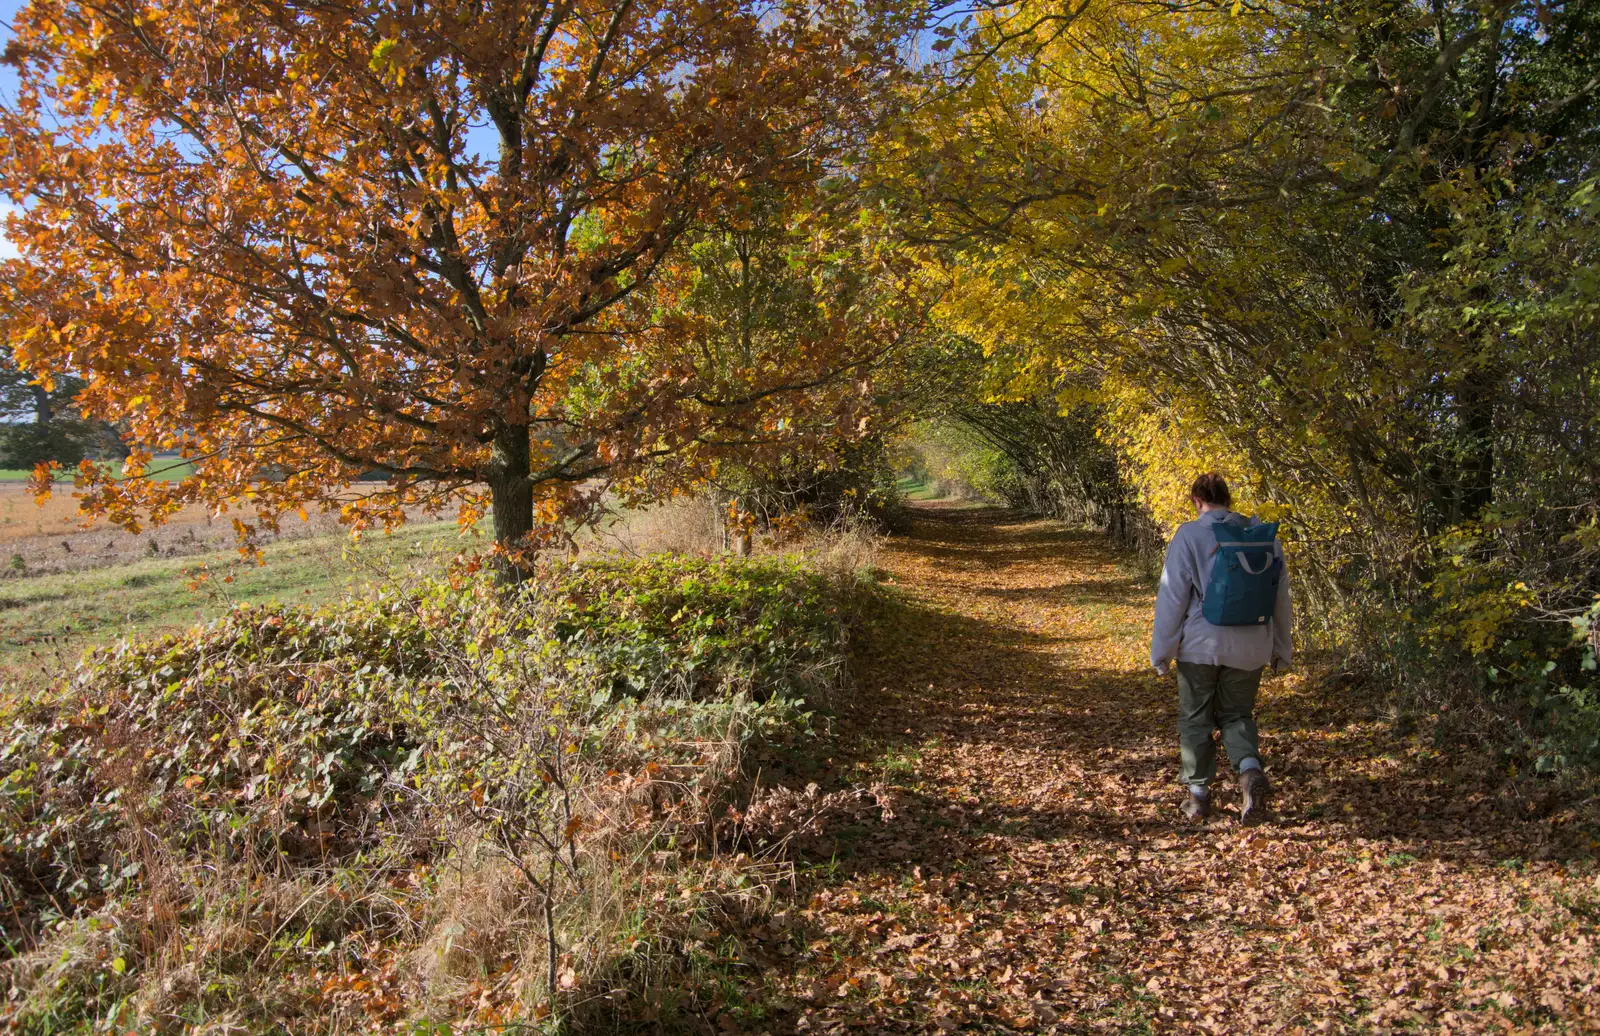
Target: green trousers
{"x": 1215, "y": 697}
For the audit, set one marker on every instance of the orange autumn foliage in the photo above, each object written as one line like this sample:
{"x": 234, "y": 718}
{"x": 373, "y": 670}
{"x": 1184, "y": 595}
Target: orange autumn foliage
{"x": 302, "y": 243}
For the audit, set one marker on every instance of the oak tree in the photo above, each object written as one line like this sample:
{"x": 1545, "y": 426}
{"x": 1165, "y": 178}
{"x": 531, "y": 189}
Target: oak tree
{"x": 307, "y": 242}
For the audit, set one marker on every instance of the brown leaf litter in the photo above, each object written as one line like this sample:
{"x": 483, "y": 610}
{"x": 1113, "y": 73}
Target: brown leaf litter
{"x": 1034, "y": 875}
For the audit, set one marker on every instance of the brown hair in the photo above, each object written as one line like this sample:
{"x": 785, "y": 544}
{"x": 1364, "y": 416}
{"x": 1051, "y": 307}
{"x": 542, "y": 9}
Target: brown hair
{"x": 1211, "y": 489}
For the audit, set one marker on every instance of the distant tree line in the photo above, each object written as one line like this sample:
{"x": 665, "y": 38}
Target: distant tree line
{"x": 42, "y": 425}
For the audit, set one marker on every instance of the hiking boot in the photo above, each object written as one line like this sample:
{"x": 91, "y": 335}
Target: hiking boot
{"x": 1197, "y": 807}
{"x": 1255, "y": 790}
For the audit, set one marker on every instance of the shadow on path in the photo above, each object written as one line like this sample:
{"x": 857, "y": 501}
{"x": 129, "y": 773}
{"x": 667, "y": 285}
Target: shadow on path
{"x": 1030, "y": 872}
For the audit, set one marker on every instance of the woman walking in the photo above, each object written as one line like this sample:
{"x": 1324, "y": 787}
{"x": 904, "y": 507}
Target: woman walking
{"x": 1223, "y": 615}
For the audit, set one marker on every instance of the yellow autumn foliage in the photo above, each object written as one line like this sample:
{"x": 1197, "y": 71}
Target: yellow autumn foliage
{"x": 1294, "y": 249}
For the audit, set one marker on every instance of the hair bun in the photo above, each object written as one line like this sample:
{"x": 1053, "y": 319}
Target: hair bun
{"x": 1210, "y": 488}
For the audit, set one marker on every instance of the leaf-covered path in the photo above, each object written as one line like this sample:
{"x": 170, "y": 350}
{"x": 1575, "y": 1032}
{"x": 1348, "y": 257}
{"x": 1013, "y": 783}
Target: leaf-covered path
{"x": 1030, "y": 871}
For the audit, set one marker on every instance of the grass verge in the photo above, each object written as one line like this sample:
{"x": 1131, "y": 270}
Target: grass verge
{"x": 48, "y": 619}
{"x": 165, "y": 469}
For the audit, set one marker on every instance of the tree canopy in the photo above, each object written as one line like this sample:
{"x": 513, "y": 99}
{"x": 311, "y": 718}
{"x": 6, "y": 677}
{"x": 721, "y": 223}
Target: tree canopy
{"x": 509, "y": 255}
{"x": 1342, "y": 252}
{"x": 304, "y": 242}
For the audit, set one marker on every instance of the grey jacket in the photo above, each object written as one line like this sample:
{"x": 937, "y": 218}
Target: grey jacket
{"x": 1183, "y": 633}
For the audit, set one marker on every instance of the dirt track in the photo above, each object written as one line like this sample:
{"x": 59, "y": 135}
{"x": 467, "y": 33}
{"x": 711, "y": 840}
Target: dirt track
{"x": 1036, "y": 876}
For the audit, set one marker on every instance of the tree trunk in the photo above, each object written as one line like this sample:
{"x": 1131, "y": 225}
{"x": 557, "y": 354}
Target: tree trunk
{"x": 511, "y": 498}
{"x": 43, "y": 409}
{"x": 1478, "y": 395}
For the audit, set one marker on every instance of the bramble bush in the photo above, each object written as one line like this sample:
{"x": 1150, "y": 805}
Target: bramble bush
{"x": 427, "y": 804}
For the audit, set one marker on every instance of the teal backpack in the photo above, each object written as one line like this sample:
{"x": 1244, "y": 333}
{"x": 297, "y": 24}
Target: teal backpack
{"x": 1243, "y": 589}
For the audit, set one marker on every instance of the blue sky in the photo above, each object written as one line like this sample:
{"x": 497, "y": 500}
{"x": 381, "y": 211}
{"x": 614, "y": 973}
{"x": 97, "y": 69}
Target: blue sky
{"x": 8, "y": 79}
{"x": 8, "y": 10}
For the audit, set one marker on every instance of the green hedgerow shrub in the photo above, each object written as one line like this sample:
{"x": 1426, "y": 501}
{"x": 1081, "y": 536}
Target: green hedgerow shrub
{"x": 768, "y": 627}
{"x": 233, "y": 820}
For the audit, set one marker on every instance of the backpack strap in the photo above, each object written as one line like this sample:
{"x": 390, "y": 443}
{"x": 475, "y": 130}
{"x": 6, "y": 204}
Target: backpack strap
{"x": 1243, "y": 548}
{"x": 1244, "y": 563}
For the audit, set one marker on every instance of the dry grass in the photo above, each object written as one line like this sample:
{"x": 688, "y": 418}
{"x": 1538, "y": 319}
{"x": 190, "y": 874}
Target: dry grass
{"x": 683, "y": 525}
{"x": 50, "y": 537}
{"x": 694, "y": 525}
{"x": 218, "y": 948}
{"x": 629, "y": 931}
{"x": 846, "y": 550}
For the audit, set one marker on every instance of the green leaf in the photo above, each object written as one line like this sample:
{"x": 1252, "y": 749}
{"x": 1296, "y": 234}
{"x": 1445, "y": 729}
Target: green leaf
{"x": 380, "y": 55}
